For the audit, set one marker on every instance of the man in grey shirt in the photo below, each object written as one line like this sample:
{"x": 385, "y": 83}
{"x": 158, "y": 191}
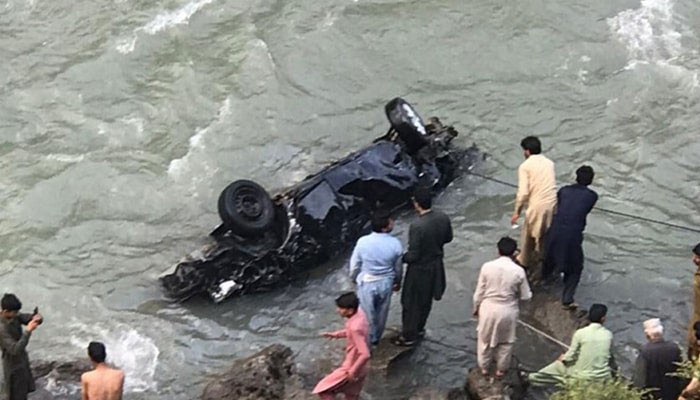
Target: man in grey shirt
{"x": 19, "y": 381}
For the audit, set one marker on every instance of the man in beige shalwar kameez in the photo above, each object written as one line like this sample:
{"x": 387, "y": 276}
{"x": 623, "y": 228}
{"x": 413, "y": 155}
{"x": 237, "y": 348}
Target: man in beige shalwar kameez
{"x": 502, "y": 284}
{"x": 537, "y": 188}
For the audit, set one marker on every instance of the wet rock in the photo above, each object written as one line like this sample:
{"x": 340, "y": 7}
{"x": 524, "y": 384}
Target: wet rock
{"x": 511, "y": 387}
{"x": 58, "y": 380}
{"x": 386, "y": 354}
{"x": 544, "y": 311}
{"x": 439, "y": 394}
{"x": 267, "y": 375}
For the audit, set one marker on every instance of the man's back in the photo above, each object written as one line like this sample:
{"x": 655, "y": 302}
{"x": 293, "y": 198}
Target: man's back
{"x": 574, "y": 202}
{"x": 376, "y": 254}
{"x": 536, "y": 181}
{"x": 589, "y": 355}
{"x": 427, "y": 237}
{"x": 503, "y": 281}
{"x": 659, "y": 359}
{"x": 103, "y": 383}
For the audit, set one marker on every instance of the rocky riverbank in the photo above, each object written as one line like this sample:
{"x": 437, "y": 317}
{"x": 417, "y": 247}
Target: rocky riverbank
{"x": 271, "y": 374}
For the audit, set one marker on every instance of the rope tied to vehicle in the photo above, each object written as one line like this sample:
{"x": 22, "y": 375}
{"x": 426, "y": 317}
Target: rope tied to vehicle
{"x": 601, "y": 209}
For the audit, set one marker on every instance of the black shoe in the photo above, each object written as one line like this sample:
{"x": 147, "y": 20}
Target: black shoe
{"x": 401, "y": 341}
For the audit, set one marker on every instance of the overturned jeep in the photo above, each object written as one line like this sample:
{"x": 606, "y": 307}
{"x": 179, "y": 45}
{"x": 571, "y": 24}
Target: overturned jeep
{"x": 263, "y": 241}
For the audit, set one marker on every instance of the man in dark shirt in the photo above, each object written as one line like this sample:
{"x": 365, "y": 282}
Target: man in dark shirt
{"x": 18, "y": 379}
{"x": 657, "y": 359}
{"x": 425, "y": 274}
{"x": 565, "y": 236}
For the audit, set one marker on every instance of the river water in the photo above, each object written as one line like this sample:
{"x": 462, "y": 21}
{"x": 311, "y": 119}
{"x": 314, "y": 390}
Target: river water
{"x": 121, "y": 120}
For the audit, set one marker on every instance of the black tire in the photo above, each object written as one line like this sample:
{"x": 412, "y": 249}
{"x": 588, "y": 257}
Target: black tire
{"x": 407, "y": 123}
{"x": 246, "y": 208}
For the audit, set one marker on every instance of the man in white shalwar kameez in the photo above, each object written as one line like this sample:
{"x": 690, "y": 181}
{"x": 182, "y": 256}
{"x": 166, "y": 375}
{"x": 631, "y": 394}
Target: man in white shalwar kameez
{"x": 502, "y": 284}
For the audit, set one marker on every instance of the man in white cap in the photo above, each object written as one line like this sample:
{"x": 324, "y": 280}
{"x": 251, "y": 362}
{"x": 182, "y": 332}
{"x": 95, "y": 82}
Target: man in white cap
{"x": 657, "y": 359}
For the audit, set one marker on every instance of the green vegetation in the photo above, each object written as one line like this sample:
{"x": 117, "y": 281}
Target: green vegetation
{"x": 688, "y": 369}
{"x": 615, "y": 389}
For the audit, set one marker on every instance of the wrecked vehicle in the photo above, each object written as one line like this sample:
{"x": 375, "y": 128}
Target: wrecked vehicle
{"x": 263, "y": 241}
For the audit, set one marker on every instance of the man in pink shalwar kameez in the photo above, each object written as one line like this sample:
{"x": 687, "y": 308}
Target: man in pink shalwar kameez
{"x": 350, "y": 376}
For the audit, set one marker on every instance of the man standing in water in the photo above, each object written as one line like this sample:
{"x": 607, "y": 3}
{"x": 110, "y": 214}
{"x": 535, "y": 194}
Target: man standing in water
{"x": 502, "y": 284}
{"x": 536, "y": 188}
{"x": 693, "y": 348}
{"x": 104, "y": 382}
{"x": 565, "y": 237}
{"x": 425, "y": 274}
{"x": 18, "y": 379}
{"x": 350, "y": 376}
{"x": 377, "y": 269}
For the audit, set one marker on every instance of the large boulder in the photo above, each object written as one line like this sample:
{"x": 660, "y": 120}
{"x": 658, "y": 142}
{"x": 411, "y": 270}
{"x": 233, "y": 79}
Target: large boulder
{"x": 58, "y": 380}
{"x": 267, "y": 375}
{"x": 545, "y": 312}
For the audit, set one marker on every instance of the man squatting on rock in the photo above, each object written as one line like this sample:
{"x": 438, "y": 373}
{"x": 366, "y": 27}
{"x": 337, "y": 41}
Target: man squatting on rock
{"x": 103, "y": 382}
{"x": 502, "y": 284}
{"x": 536, "y": 188}
{"x": 588, "y": 357}
{"x": 349, "y": 378}
{"x": 658, "y": 359}
{"x": 377, "y": 269}
{"x": 425, "y": 273}
{"x": 18, "y": 380}
{"x": 564, "y": 243}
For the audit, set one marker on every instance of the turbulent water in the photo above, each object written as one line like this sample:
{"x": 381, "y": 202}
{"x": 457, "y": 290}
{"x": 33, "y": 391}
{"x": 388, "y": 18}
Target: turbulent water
{"x": 121, "y": 120}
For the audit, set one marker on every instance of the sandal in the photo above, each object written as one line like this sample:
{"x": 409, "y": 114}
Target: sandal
{"x": 401, "y": 341}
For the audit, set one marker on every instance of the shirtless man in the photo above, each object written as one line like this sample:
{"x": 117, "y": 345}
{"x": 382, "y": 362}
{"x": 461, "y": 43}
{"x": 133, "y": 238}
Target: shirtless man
{"x": 102, "y": 383}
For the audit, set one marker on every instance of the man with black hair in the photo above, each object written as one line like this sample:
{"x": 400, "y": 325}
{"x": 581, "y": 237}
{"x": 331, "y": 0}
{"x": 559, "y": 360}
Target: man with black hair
{"x": 376, "y": 267}
{"x": 589, "y": 356}
{"x": 693, "y": 348}
{"x": 18, "y": 380}
{"x": 425, "y": 274}
{"x": 537, "y": 188}
{"x": 502, "y": 284}
{"x": 350, "y": 376}
{"x": 103, "y": 382}
{"x": 565, "y": 237}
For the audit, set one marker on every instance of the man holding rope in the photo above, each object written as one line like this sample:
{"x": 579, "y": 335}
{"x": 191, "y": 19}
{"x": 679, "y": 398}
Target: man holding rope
{"x": 538, "y": 189}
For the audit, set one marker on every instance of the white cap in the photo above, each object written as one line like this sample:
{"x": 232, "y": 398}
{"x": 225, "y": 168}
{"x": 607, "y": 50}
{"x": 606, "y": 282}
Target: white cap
{"x": 653, "y": 325}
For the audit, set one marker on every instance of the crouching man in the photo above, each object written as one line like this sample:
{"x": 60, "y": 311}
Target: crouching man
{"x": 588, "y": 357}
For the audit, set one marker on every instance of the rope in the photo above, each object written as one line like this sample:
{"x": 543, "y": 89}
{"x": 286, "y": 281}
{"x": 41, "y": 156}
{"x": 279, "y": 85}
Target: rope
{"x": 544, "y": 335}
{"x": 601, "y": 209}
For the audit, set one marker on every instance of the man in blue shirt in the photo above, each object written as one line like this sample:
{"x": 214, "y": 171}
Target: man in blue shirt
{"x": 376, "y": 267}
{"x": 565, "y": 236}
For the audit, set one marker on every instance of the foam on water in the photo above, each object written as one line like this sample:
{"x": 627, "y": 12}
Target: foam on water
{"x": 162, "y": 22}
{"x": 650, "y": 33}
{"x": 127, "y": 349}
{"x": 180, "y": 167}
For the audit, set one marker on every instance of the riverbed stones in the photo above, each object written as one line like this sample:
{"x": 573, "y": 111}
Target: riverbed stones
{"x": 267, "y": 375}
{"x": 58, "y": 380}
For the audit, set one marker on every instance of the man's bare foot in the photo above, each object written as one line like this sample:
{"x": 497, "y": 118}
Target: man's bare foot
{"x": 499, "y": 374}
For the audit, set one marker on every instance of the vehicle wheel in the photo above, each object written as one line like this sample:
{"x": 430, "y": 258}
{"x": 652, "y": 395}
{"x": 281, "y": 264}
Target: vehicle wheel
{"x": 407, "y": 123}
{"x": 246, "y": 208}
